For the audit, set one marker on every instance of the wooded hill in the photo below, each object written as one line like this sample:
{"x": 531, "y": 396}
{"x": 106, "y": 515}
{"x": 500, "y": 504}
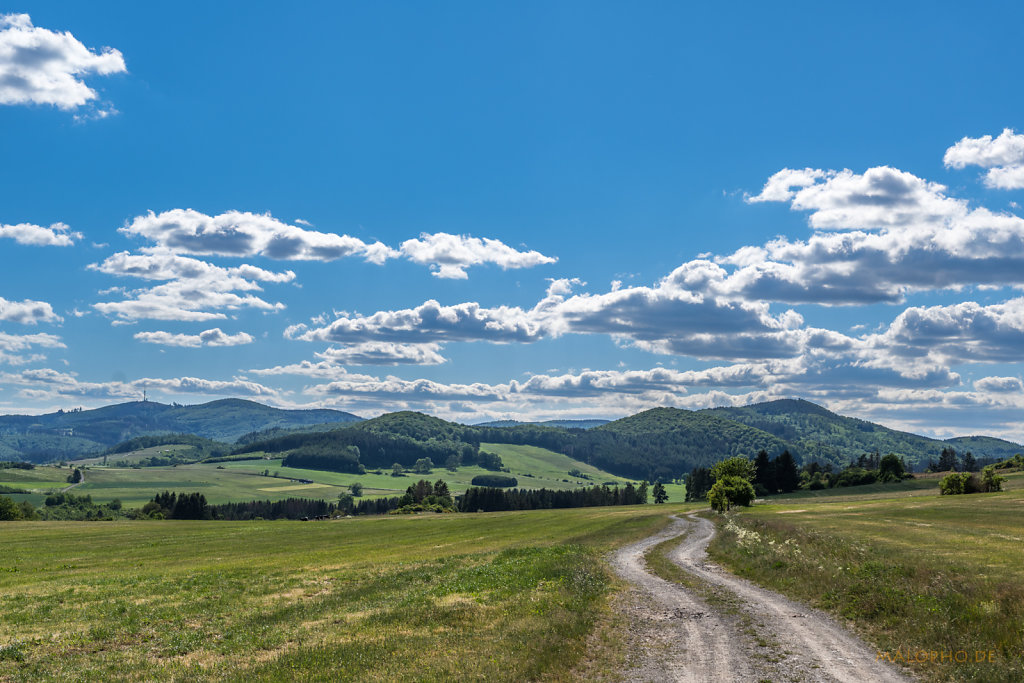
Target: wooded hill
{"x": 404, "y": 438}
{"x": 661, "y": 443}
{"x": 819, "y": 434}
{"x": 66, "y": 435}
{"x": 664, "y": 443}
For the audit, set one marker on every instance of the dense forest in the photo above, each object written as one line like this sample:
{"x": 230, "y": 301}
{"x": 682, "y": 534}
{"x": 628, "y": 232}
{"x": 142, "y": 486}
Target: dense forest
{"x": 664, "y": 443}
{"x": 494, "y": 499}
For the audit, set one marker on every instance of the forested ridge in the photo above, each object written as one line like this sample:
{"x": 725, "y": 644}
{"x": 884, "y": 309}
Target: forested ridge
{"x": 820, "y": 435}
{"x": 656, "y": 444}
{"x": 77, "y": 433}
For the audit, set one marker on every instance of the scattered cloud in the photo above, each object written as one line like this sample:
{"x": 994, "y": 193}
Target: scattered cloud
{"x": 385, "y": 353}
{"x": 879, "y": 236}
{"x": 1003, "y": 156}
{"x": 240, "y": 233}
{"x": 209, "y": 387}
{"x": 669, "y": 314}
{"x": 40, "y": 66}
{"x": 46, "y": 383}
{"x": 28, "y": 312}
{"x": 212, "y": 337}
{"x": 881, "y": 197}
{"x": 12, "y": 344}
{"x": 244, "y": 234}
{"x": 428, "y": 322}
{"x": 450, "y": 255}
{"x": 57, "y": 235}
{"x": 332, "y": 361}
{"x": 195, "y": 291}
{"x": 999, "y": 384}
{"x": 965, "y": 332}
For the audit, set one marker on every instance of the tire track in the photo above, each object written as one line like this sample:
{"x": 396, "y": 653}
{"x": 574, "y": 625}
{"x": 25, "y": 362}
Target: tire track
{"x": 682, "y": 638}
{"x": 685, "y": 639}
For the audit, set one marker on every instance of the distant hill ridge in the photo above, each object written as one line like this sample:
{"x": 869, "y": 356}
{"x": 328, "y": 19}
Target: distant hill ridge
{"x": 820, "y": 434}
{"x": 75, "y": 433}
{"x": 656, "y": 443}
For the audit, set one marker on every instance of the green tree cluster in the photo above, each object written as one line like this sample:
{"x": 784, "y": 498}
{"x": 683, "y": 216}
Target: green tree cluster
{"x": 426, "y": 497}
{"x": 486, "y": 499}
{"x": 11, "y": 511}
{"x": 957, "y": 483}
{"x": 172, "y": 505}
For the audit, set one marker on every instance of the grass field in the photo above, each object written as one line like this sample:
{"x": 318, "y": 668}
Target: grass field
{"x": 917, "y": 574}
{"x": 501, "y": 596}
{"x": 39, "y": 478}
{"x": 243, "y": 480}
{"x": 164, "y": 451}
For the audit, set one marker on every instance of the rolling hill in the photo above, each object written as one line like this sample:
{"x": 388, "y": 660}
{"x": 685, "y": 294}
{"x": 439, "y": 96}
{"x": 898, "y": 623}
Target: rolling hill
{"x": 664, "y": 443}
{"x": 71, "y": 434}
{"x": 658, "y": 443}
{"x": 819, "y": 434}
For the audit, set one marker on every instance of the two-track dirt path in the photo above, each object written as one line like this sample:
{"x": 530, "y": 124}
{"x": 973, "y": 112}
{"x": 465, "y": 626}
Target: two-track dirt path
{"x": 762, "y": 636}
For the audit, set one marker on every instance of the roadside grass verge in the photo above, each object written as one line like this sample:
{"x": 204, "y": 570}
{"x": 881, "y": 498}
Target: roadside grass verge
{"x": 499, "y": 596}
{"x": 915, "y": 576}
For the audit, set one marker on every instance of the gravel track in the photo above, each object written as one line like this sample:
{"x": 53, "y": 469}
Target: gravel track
{"x": 678, "y": 635}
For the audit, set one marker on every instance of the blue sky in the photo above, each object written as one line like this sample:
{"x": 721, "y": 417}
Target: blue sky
{"x": 523, "y": 210}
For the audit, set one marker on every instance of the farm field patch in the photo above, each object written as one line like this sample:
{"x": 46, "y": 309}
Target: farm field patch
{"x": 499, "y": 596}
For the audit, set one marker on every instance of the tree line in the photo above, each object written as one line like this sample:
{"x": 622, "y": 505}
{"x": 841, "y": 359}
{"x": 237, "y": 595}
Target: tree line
{"x": 486, "y": 499}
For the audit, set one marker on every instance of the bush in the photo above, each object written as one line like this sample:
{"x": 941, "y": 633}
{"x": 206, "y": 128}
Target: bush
{"x": 1016, "y": 462}
{"x": 494, "y": 480}
{"x": 891, "y": 469}
{"x": 9, "y": 510}
{"x": 956, "y": 483}
{"x": 730, "y": 490}
{"x": 855, "y": 476}
{"x": 990, "y": 481}
{"x": 489, "y": 461}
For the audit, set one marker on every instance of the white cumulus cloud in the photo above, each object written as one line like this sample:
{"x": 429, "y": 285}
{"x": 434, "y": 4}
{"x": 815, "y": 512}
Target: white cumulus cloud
{"x": 999, "y": 384}
{"x": 57, "y": 235}
{"x": 1003, "y": 156}
{"x": 27, "y": 312}
{"x": 241, "y": 233}
{"x": 212, "y": 337}
{"x": 450, "y": 255}
{"x": 245, "y": 234}
{"x": 40, "y": 66}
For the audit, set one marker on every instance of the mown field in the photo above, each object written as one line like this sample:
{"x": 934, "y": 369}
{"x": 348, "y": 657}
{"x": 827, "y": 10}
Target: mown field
{"x": 916, "y": 574}
{"x": 497, "y": 597}
{"x": 244, "y": 480}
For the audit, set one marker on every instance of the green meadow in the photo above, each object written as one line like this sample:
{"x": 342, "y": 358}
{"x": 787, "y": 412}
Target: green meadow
{"x": 916, "y": 574}
{"x": 245, "y": 480}
{"x": 497, "y": 597}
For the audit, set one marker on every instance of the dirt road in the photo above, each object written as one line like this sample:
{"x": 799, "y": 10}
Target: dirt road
{"x": 761, "y": 636}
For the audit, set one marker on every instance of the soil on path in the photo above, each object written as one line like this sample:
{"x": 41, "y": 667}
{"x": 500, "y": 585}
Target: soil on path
{"x": 728, "y": 629}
